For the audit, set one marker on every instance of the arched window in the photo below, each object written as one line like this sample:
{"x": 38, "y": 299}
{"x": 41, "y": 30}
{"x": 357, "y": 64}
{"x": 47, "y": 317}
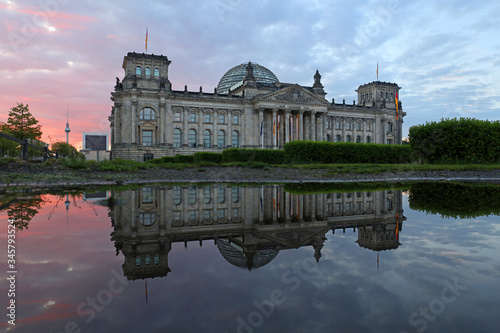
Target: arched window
{"x": 348, "y": 138}
{"x": 207, "y": 139}
{"x": 138, "y": 70}
{"x": 147, "y": 71}
{"x": 176, "y": 195}
{"x": 338, "y": 138}
{"x": 192, "y": 138}
{"x": 221, "y": 194}
{"x": 235, "y": 194}
{"x": 177, "y": 138}
{"x": 235, "y": 139}
{"x": 368, "y": 139}
{"x": 147, "y": 114}
{"x": 192, "y": 195}
{"x": 207, "y": 194}
{"x": 358, "y": 139}
{"x": 221, "y": 139}
{"x": 157, "y": 72}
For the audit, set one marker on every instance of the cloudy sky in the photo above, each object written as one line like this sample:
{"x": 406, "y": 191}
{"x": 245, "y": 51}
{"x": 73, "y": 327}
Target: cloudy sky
{"x": 59, "y": 54}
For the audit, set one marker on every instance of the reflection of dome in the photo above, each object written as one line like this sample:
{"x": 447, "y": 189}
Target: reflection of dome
{"x": 236, "y": 74}
{"x": 242, "y": 258}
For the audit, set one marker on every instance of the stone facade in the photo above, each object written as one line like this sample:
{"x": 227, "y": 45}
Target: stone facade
{"x": 150, "y": 120}
{"x": 249, "y": 225}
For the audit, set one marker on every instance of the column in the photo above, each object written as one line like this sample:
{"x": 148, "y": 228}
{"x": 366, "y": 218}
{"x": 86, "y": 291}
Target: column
{"x": 134, "y": 122}
{"x": 343, "y": 130}
{"x": 199, "y": 130}
{"x": 261, "y": 128}
{"x": 301, "y": 125}
{"x": 286, "y": 123}
{"x": 323, "y": 127}
{"x": 275, "y": 128}
{"x": 185, "y": 116}
{"x": 230, "y": 127}
{"x": 216, "y": 129}
{"x": 363, "y": 123}
{"x": 162, "y": 121}
{"x": 313, "y": 125}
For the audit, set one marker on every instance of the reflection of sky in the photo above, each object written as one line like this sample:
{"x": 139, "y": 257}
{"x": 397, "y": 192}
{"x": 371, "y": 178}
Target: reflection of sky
{"x": 61, "y": 265}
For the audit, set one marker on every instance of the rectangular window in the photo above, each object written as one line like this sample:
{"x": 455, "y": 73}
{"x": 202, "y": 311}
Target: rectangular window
{"x": 177, "y": 215}
{"x": 359, "y": 126}
{"x": 328, "y": 124}
{"x": 236, "y": 213}
{"x": 338, "y": 125}
{"x": 222, "y": 119}
{"x": 369, "y": 125}
{"x": 349, "y": 126}
{"x": 147, "y": 138}
{"x": 147, "y": 195}
{"x": 207, "y": 214}
{"x": 192, "y": 117}
{"x": 177, "y": 116}
{"x": 222, "y": 213}
{"x": 236, "y": 119}
{"x": 208, "y": 118}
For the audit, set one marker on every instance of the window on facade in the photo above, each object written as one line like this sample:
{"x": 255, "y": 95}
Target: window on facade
{"x": 235, "y": 139}
{"x": 192, "y": 195}
{"x": 208, "y": 118}
{"x": 156, "y": 259}
{"x": 348, "y": 126}
{"x": 138, "y": 261}
{"x": 192, "y": 117}
{"x": 221, "y": 139}
{"x": 138, "y": 70}
{"x": 348, "y": 138}
{"x": 221, "y": 194}
{"x": 359, "y": 126}
{"x": 176, "y": 195}
{"x": 177, "y": 215}
{"x": 235, "y": 194}
{"x": 389, "y": 141}
{"x": 222, "y": 213}
{"x": 328, "y": 138}
{"x": 338, "y": 125}
{"x": 236, "y": 213}
{"x": 147, "y": 218}
{"x": 369, "y": 126}
{"x": 222, "y": 119}
{"x": 157, "y": 72}
{"x": 328, "y": 124}
{"x": 207, "y": 214}
{"x": 192, "y": 215}
{"x": 358, "y": 139}
{"x": 147, "y": 194}
{"x": 368, "y": 139}
{"x": 207, "y": 139}
{"x": 147, "y": 260}
{"x": 147, "y": 114}
{"x": 338, "y": 207}
{"x": 236, "y": 119}
{"x": 148, "y": 157}
{"x": 338, "y": 138}
{"x": 348, "y": 206}
{"x": 177, "y": 138}
{"x": 192, "y": 138}
{"x": 390, "y": 127}
{"x": 207, "y": 194}
{"x": 177, "y": 116}
{"x": 147, "y": 71}
{"x": 147, "y": 138}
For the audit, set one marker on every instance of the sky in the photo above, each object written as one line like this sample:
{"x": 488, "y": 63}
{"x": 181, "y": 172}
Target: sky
{"x": 64, "y": 55}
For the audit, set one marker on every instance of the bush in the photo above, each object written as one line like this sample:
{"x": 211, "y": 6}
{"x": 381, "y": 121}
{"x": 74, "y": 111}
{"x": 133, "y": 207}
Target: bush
{"x": 463, "y": 140}
{"x": 162, "y": 160}
{"x": 121, "y": 165}
{"x": 77, "y": 162}
{"x": 184, "y": 159}
{"x": 202, "y": 157}
{"x": 269, "y": 156}
{"x": 345, "y": 152}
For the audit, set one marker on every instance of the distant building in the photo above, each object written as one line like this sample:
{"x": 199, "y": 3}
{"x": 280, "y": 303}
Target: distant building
{"x": 250, "y": 108}
{"x": 95, "y": 146}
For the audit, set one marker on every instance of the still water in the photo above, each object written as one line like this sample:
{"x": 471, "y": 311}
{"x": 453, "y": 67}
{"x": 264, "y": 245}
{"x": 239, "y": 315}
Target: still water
{"x": 272, "y": 258}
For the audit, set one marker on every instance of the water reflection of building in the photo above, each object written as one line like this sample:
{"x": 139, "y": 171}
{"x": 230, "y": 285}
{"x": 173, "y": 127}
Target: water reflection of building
{"x": 249, "y": 225}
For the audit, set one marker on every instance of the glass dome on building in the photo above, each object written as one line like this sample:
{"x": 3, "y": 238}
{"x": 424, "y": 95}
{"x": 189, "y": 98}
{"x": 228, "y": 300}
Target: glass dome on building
{"x": 237, "y": 256}
{"x": 234, "y": 77}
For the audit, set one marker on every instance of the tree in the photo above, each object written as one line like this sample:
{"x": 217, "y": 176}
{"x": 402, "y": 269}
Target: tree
{"x": 22, "y": 124}
{"x": 64, "y": 149}
{"x": 7, "y": 147}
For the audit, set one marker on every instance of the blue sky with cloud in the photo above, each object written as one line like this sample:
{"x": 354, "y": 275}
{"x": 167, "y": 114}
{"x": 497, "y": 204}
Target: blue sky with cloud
{"x": 444, "y": 54}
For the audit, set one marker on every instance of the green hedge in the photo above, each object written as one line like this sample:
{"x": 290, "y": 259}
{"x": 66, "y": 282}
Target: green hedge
{"x": 345, "y": 152}
{"x": 464, "y": 140}
{"x": 207, "y": 157}
{"x": 269, "y": 156}
{"x": 184, "y": 159}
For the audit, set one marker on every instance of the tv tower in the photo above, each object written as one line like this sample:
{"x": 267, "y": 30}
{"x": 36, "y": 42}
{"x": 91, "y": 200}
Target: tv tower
{"x": 67, "y": 129}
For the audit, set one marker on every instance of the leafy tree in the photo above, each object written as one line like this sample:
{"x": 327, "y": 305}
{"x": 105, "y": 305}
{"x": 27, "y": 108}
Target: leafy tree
{"x": 22, "y": 124}
{"x": 7, "y": 146}
{"x": 64, "y": 149}
{"x": 23, "y": 211}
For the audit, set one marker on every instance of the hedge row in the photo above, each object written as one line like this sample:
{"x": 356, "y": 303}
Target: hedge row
{"x": 457, "y": 140}
{"x": 207, "y": 157}
{"x": 345, "y": 152}
{"x": 269, "y": 156}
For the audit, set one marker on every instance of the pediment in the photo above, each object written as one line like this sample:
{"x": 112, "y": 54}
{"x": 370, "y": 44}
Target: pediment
{"x": 294, "y": 94}
{"x": 295, "y": 238}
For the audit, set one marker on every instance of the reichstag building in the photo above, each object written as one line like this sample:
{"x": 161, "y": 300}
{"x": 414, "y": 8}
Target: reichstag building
{"x": 250, "y": 108}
